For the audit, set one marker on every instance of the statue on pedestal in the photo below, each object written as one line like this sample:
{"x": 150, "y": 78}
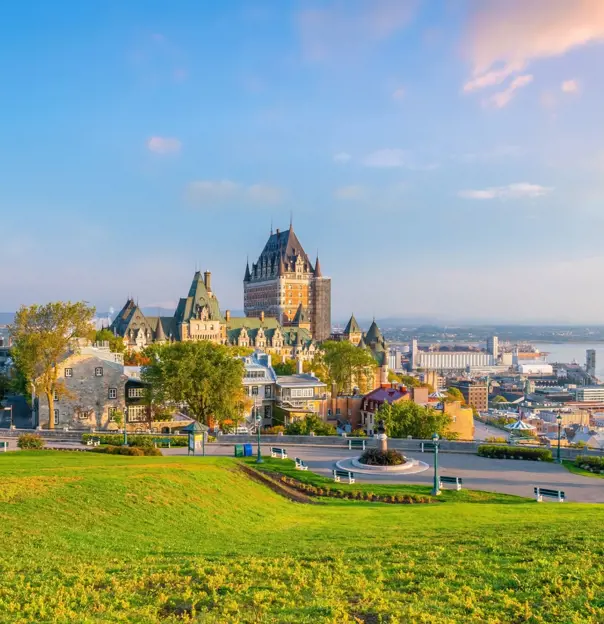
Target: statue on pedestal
{"x": 381, "y": 436}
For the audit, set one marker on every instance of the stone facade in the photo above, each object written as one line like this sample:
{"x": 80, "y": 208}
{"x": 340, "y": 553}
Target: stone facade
{"x": 93, "y": 386}
{"x": 283, "y": 281}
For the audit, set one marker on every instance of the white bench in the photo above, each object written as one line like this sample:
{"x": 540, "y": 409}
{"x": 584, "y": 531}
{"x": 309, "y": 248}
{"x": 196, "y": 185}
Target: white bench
{"x": 541, "y": 492}
{"x": 93, "y": 442}
{"x": 456, "y": 481}
{"x": 281, "y": 453}
{"x": 300, "y": 465}
{"x": 343, "y": 474}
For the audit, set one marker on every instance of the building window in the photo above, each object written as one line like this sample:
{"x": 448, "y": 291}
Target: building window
{"x": 136, "y": 413}
{"x": 267, "y": 411}
{"x": 112, "y": 413}
{"x": 56, "y": 417}
{"x": 55, "y": 396}
{"x": 98, "y": 371}
{"x": 136, "y": 393}
{"x": 268, "y": 392}
{"x": 113, "y": 393}
{"x": 254, "y": 390}
{"x": 69, "y": 372}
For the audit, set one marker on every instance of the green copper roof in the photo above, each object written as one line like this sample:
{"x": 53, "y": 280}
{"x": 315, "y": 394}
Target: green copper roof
{"x": 374, "y": 334}
{"x": 352, "y": 327}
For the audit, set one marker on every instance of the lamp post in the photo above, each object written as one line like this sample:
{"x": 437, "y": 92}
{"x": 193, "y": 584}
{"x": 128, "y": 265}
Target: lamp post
{"x": 125, "y": 430}
{"x": 559, "y": 419}
{"x": 259, "y": 459}
{"x": 436, "y": 488}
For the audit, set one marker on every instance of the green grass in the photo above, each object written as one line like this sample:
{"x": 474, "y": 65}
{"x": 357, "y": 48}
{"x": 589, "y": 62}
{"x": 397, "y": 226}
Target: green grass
{"x": 287, "y": 467}
{"x": 571, "y": 467}
{"x": 98, "y": 538}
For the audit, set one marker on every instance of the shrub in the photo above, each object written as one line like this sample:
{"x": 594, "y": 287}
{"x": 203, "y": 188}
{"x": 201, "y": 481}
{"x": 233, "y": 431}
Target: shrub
{"x": 376, "y": 457}
{"x": 133, "y": 451}
{"x": 588, "y": 462}
{"x": 496, "y": 440}
{"x": 30, "y": 441}
{"x": 516, "y": 452}
{"x": 273, "y": 430}
{"x": 117, "y": 439}
{"x": 358, "y": 433}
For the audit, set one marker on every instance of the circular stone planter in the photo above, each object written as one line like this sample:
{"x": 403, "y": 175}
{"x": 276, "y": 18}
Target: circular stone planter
{"x": 411, "y": 466}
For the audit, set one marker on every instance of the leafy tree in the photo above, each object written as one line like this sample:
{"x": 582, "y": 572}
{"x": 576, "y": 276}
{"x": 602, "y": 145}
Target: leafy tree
{"x": 5, "y": 385}
{"x": 285, "y": 368}
{"x": 318, "y": 368}
{"x": 136, "y": 358}
{"x": 203, "y": 376}
{"x": 348, "y": 365}
{"x": 116, "y": 343}
{"x": 312, "y": 422}
{"x": 500, "y": 399}
{"x": 454, "y": 394}
{"x": 407, "y": 418}
{"x": 41, "y": 337}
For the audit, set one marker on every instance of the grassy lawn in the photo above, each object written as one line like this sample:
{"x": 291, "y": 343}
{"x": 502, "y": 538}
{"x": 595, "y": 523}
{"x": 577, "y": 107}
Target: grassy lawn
{"x": 287, "y": 467}
{"x": 570, "y": 466}
{"x": 96, "y": 538}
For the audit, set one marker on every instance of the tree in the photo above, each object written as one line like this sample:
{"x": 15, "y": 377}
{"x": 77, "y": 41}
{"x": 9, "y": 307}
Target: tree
{"x": 312, "y": 422}
{"x": 348, "y": 365}
{"x": 318, "y": 368}
{"x": 454, "y": 394}
{"x": 41, "y": 337}
{"x": 285, "y": 368}
{"x": 203, "y": 376}
{"x": 500, "y": 399}
{"x": 116, "y": 343}
{"x": 407, "y": 418}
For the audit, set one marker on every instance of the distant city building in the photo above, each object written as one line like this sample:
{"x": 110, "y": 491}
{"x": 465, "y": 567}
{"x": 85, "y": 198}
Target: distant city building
{"x": 590, "y": 393}
{"x": 475, "y": 393}
{"x": 283, "y": 280}
{"x": 590, "y": 362}
{"x": 535, "y": 368}
{"x": 493, "y": 346}
{"x": 449, "y": 360}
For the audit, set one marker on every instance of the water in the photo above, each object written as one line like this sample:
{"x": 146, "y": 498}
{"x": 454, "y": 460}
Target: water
{"x": 569, "y": 351}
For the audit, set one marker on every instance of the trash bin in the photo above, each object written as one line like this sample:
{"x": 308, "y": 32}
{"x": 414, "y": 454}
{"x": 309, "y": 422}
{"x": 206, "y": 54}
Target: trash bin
{"x": 238, "y": 450}
{"x": 247, "y": 450}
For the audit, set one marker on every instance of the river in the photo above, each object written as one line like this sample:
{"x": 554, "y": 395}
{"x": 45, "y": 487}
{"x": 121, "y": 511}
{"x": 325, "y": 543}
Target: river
{"x": 569, "y": 351}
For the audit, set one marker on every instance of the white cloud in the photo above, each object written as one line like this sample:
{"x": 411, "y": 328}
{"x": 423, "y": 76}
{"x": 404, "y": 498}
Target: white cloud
{"x": 352, "y": 192}
{"x": 519, "y": 190}
{"x": 569, "y": 86}
{"x": 265, "y": 194}
{"x": 163, "y": 145}
{"x": 505, "y": 37}
{"x": 216, "y": 191}
{"x": 341, "y": 29}
{"x": 387, "y": 158}
{"x": 399, "y": 94}
{"x": 503, "y": 98}
{"x": 342, "y": 157}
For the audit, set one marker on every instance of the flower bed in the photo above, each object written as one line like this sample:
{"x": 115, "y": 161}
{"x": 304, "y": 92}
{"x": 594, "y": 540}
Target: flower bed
{"x": 376, "y": 457}
{"x": 590, "y": 463}
{"x": 312, "y": 490}
{"x": 127, "y": 450}
{"x": 514, "y": 452}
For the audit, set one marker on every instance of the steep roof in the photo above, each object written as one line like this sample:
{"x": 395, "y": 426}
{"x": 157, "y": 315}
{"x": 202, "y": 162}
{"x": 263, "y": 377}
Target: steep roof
{"x": 318, "y": 268}
{"x": 292, "y": 336}
{"x": 198, "y": 298}
{"x": 301, "y": 316}
{"x": 130, "y": 317}
{"x": 247, "y": 276}
{"x": 352, "y": 327}
{"x": 374, "y": 334}
{"x": 280, "y": 254}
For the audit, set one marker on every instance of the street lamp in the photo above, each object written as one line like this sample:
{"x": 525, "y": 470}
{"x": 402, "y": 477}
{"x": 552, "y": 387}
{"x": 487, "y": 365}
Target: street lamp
{"x": 125, "y": 430}
{"x": 436, "y": 488}
{"x": 559, "y": 419}
{"x": 259, "y": 459}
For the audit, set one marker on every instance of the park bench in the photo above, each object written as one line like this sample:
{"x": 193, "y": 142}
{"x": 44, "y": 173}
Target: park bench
{"x": 352, "y": 444}
{"x": 94, "y": 441}
{"x": 343, "y": 474}
{"x": 426, "y": 446}
{"x": 281, "y": 453}
{"x": 541, "y": 492}
{"x": 300, "y": 465}
{"x": 4, "y": 446}
{"x": 162, "y": 442}
{"x": 457, "y": 481}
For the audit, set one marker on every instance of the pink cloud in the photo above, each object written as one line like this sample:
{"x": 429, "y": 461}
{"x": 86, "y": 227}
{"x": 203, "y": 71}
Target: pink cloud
{"x": 163, "y": 145}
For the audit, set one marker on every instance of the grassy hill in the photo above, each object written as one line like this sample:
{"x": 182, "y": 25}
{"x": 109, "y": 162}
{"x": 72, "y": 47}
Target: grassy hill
{"x": 95, "y": 538}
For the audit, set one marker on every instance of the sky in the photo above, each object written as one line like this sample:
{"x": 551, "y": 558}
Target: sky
{"x": 444, "y": 157}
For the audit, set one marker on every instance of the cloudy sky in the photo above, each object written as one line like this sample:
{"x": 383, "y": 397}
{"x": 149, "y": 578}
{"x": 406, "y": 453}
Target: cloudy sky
{"x": 445, "y": 157}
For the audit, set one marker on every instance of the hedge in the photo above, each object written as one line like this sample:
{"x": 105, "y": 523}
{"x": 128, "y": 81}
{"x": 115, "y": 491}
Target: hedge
{"x": 30, "y": 441}
{"x": 590, "y": 463}
{"x": 515, "y": 452}
{"x": 127, "y": 450}
{"x": 117, "y": 439}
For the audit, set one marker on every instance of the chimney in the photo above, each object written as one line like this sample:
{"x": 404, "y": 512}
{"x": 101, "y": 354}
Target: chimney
{"x": 299, "y": 367}
{"x": 227, "y": 315}
{"x": 262, "y": 316}
{"x": 277, "y": 230}
{"x": 207, "y": 280}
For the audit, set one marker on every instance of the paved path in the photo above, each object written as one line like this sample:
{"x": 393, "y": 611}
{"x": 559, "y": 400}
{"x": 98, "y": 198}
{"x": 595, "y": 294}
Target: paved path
{"x": 482, "y": 431}
{"x": 478, "y": 473}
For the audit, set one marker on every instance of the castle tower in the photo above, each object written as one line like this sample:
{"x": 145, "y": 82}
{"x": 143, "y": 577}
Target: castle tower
{"x": 283, "y": 279}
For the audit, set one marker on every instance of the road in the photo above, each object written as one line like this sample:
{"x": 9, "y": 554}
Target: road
{"x": 482, "y": 431}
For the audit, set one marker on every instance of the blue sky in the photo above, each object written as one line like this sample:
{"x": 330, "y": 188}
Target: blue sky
{"x": 445, "y": 157}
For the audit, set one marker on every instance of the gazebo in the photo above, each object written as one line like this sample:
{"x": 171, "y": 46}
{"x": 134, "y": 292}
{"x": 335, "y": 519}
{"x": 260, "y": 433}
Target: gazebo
{"x": 519, "y": 425}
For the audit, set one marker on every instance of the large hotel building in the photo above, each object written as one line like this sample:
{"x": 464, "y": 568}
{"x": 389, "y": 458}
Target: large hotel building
{"x": 285, "y": 284}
